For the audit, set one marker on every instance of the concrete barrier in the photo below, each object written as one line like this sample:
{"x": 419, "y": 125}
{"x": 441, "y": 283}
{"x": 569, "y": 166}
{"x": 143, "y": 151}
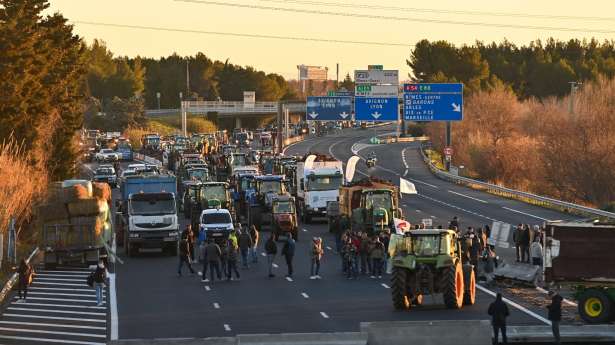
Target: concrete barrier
{"x": 583, "y": 334}
{"x": 339, "y": 338}
{"x": 177, "y": 341}
{"x": 454, "y": 332}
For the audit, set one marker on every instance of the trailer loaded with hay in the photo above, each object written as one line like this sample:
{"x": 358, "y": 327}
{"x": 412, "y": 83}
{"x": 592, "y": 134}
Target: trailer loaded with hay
{"x": 75, "y": 223}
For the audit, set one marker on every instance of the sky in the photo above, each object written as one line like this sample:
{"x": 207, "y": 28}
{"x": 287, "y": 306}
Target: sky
{"x": 590, "y": 19}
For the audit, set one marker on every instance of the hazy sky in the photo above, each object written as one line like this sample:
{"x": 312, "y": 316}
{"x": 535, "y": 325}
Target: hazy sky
{"x": 282, "y": 56}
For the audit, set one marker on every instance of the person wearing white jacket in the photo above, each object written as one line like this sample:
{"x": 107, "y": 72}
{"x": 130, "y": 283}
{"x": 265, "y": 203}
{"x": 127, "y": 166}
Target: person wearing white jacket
{"x": 536, "y": 252}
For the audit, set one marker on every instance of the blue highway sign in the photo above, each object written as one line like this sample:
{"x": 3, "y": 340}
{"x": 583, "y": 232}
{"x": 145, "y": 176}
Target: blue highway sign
{"x": 376, "y": 109}
{"x": 433, "y": 102}
{"x": 328, "y": 108}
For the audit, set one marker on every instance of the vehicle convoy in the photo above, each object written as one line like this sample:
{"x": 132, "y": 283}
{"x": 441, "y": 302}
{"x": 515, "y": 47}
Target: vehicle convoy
{"x": 147, "y": 214}
{"x": 581, "y": 256}
{"x": 150, "y": 142}
{"x": 427, "y": 262}
{"x": 75, "y": 223}
{"x": 371, "y": 205}
{"x": 265, "y": 189}
{"x": 124, "y": 149}
{"x": 107, "y": 155}
{"x": 217, "y": 224}
{"x": 284, "y": 217}
{"x": 106, "y": 174}
{"x": 316, "y": 185}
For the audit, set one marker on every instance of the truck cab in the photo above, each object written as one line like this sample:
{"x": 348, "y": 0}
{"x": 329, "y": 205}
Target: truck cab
{"x": 317, "y": 185}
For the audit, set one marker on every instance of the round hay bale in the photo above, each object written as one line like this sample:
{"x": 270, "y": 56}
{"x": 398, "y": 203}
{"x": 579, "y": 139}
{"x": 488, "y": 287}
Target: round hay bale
{"x": 102, "y": 191}
{"x": 52, "y": 211}
{"x": 86, "y": 207}
{"x": 55, "y": 193}
{"x": 75, "y": 193}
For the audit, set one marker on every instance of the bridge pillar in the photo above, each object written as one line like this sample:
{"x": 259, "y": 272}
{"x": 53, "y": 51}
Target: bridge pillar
{"x": 237, "y": 122}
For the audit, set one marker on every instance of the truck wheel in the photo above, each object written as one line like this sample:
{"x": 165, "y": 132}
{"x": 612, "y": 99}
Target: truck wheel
{"x": 469, "y": 296}
{"x": 399, "y": 289}
{"x": 452, "y": 286}
{"x": 595, "y": 306}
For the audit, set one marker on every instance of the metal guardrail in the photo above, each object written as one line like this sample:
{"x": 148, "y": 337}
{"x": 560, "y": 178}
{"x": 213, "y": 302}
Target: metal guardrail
{"x": 13, "y": 279}
{"x": 537, "y": 199}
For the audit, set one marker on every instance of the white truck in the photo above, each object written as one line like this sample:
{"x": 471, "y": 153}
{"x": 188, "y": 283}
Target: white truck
{"x": 317, "y": 185}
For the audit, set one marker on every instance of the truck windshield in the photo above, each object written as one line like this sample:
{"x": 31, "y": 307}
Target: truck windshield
{"x": 105, "y": 171}
{"x": 214, "y": 192}
{"x": 198, "y": 174}
{"x": 216, "y": 218}
{"x": 238, "y": 160}
{"x": 316, "y": 183}
{"x": 378, "y": 200}
{"x": 283, "y": 207}
{"x": 271, "y": 186}
{"x": 152, "y": 204}
{"x": 246, "y": 183}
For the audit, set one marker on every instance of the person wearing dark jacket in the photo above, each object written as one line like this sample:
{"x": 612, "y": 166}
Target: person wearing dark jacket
{"x": 184, "y": 252}
{"x": 245, "y": 243}
{"x": 525, "y": 243}
{"x": 24, "y": 276}
{"x": 254, "y": 235}
{"x": 232, "y": 258}
{"x": 271, "y": 249}
{"x": 100, "y": 275}
{"x": 555, "y": 314}
{"x": 498, "y": 311}
{"x": 289, "y": 252}
{"x": 211, "y": 257}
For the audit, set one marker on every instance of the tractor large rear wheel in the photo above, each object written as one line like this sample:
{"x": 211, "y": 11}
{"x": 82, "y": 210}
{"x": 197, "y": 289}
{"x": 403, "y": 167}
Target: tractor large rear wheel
{"x": 399, "y": 289}
{"x": 452, "y": 286}
{"x": 595, "y": 306}
{"x": 470, "y": 287}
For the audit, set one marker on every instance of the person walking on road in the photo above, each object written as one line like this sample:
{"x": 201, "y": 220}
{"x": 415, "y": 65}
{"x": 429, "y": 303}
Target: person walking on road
{"x": 212, "y": 256}
{"x": 184, "y": 253}
{"x": 25, "y": 271}
{"x": 376, "y": 255}
{"x": 498, "y": 311}
{"x": 271, "y": 249}
{"x": 555, "y": 314}
{"x": 245, "y": 243}
{"x": 100, "y": 276}
{"x": 289, "y": 252}
{"x": 254, "y": 235}
{"x": 316, "y": 254}
{"x": 349, "y": 252}
{"x": 232, "y": 256}
{"x": 536, "y": 252}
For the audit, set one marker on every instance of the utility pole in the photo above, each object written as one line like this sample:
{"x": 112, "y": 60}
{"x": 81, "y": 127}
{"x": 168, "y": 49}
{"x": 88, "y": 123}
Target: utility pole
{"x": 187, "y": 78}
{"x": 449, "y": 143}
{"x": 574, "y": 85}
{"x": 337, "y": 76}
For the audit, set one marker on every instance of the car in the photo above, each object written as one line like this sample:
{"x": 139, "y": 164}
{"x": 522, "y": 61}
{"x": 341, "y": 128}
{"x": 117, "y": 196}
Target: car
{"x": 106, "y": 174}
{"x": 107, "y": 155}
{"x": 217, "y": 224}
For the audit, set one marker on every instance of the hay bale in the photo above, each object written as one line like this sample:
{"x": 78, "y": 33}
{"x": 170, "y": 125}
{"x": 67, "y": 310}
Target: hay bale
{"x": 89, "y": 222}
{"x": 75, "y": 193}
{"x": 55, "y": 194}
{"x": 86, "y": 207}
{"x": 101, "y": 191}
{"x": 53, "y": 212}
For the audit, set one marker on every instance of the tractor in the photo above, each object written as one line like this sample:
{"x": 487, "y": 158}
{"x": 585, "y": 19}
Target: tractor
{"x": 428, "y": 262}
{"x": 284, "y": 217}
{"x": 266, "y": 188}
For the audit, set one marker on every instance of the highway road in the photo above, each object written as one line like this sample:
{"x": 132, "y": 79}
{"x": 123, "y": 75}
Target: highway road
{"x": 153, "y": 302}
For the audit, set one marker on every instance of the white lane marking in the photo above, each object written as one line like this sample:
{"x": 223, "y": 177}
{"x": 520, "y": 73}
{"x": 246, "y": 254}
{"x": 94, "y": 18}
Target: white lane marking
{"x": 207, "y": 288}
{"x": 304, "y": 230}
{"x": 61, "y": 284}
{"x": 418, "y": 211}
{"x": 55, "y": 318}
{"x": 405, "y": 172}
{"x": 51, "y": 325}
{"x": 403, "y": 159}
{"x": 434, "y": 217}
{"x": 61, "y": 305}
{"x": 289, "y": 279}
{"x": 59, "y": 279}
{"x": 263, "y": 254}
{"x": 83, "y": 272}
{"x": 467, "y": 196}
{"x": 515, "y": 305}
{"x": 62, "y": 300}
{"x": 216, "y": 306}
{"x": 275, "y": 265}
{"x": 46, "y": 340}
{"x": 227, "y": 327}
{"x": 323, "y": 314}
{"x": 569, "y": 302}
{"x": 60, "y": 275}
{"x": 62, "y": 294}
{"x": 455, "y": 207}
{"x": 60, "y": 289}
{"x": 58, "y": 311}
{"x": 527, "y": 214}
{"x": 113, "y": 306}
{"x": 305, "y": 295}
{"x": 52, "y": 332}
{"x": 329, "y": 248}
{"x": 422, "y": 182}
{"x": 385, "y": 286}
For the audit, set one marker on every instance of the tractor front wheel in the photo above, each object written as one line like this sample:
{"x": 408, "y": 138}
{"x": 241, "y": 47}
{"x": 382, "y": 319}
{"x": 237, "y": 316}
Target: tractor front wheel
{"x": 595, "y": 306}
{"x": 470, "y": 287}
{"x": 399, "y": 289}
{"x": 452, "y": 286}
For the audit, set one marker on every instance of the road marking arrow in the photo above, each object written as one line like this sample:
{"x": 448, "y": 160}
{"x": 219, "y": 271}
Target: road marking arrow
{"x": 344, "y": 115}
{"x": 313, "y": 114}
{"x": 456, "y": 107}
{"x": 376, "y": 115}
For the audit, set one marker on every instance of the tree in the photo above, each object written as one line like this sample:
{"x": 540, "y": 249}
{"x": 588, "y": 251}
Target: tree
{"x": 347, "y": 83}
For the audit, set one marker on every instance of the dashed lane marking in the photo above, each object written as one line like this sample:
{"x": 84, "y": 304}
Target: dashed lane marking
{"x": 289, "y": 279}
{"x": 418, "y": 211}
{"x": 275, "y": 265}
{"x": 323, "y": 314}
{"x": 422, "y": 182}
{"x": 62, "y": 341}
{"x": 456, "y": 207}
{"x": 515, "y": 305}
{"x": 469, "y": 197}
{"x": 51, "y": 325}
{"x": 263, "y": 254}
{"x": 57, "y": 311}
{"x": 25, "y": 330}
{"x": 216, "y": 305}
{"x": 524, "y": 213}
{"x": 385, "y": 286}
{"x": 207, "y": 288}
{"x": 405, "y": 172}
{"x": 304, "y": 230}
{"x": 227, "y": 327}
{"x": 305, "y": 295}
{"x": 55, "y": 318}
{"x": 329, "y": 248}
{"x": 433, "y": 217}
{"x": 65, "y": 306}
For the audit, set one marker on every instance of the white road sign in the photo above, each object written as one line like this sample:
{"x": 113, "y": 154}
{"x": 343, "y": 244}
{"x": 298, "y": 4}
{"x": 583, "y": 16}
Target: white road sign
{"x": 376, "y": 77}
{"x": 376, "y": 90}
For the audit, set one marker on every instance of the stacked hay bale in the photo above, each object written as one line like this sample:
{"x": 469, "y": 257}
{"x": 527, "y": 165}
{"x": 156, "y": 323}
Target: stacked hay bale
{"x": 78, "y": 204}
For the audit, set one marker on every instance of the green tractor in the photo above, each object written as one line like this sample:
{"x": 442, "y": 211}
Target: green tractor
{"x": 428, "y": 262}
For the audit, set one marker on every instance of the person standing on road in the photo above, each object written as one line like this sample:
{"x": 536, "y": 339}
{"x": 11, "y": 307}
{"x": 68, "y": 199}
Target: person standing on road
{"x": 254, "y": 235}
{"x": 289, "y": 252}
{"x": 100, "y": 276}
{"x": 364, "y": 254}
{"x": 184, "y": 253}
{"x": 349, "y": 251}
{"x": 555, "y": 314}
{"x": 385, "y": 237}
{"x": 24, "y": 279}
{"x": 498, "y": 311}
{"x": 245, "y": 243}
{"x": 271, "y": 249}
{"x": 454, "y": 224}
{"x": 525, "y": 244}
{"x": 231, "y": 260}
{"x": 376, "y": 255}
{"x": 536, "y": 252}
{"x": 517, "y": 241}
{"x": 212, "y": 256}
{"x": 316, "y": 254}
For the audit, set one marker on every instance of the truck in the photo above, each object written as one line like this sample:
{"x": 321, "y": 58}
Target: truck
{"x": 317, "y": 185}
{"x": 371, "y": 205}
{"x": 580, "y": 256}
{"x": 148, "y": 214}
